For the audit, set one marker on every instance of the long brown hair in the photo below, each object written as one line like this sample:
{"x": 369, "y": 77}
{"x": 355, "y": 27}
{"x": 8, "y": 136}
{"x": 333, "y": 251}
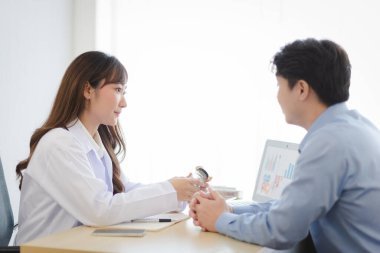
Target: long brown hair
{"x": 88, "y": 68}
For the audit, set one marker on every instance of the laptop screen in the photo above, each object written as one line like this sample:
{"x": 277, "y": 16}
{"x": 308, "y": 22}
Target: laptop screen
{"x": 276, "y": 170}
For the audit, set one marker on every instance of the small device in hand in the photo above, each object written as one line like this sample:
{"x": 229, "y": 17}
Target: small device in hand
{"x": 201, "y": 174}
{"x": 118, "y": 232}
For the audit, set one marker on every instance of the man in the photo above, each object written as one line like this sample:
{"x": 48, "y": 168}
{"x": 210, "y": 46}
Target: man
{"x": 336, "y": 189}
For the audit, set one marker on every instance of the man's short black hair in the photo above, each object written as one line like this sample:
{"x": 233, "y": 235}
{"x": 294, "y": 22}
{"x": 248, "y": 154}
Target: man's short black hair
{"x": 323, "y": 64}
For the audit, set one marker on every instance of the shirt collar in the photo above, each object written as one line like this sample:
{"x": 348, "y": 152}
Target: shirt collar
{"x": 327, "y": 116}
{"x": 89, "y": 142}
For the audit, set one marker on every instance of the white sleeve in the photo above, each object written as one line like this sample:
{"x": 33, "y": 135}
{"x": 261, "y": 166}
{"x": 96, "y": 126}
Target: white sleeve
{"x": 66, "y": 174}
{"x": 131, "y": 186}
{"x": 128, "y": 185}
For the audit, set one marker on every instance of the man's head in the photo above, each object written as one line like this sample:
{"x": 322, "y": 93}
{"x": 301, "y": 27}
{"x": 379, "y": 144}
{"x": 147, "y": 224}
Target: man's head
{"x": 323, "y": 64}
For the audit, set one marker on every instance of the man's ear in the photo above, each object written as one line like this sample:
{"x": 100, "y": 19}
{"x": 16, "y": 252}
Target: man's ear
{"x": 303, "y": 89}
{"x": 87, "y": 91}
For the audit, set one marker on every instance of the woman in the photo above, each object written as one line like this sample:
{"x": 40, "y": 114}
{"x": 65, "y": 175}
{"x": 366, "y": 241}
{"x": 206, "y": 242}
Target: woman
{"x": 72, "y": 175}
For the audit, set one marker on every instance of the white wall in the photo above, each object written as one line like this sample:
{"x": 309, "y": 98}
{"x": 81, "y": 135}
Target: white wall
{"x": 35, "y": 49}
{"x": 84, "y": 24}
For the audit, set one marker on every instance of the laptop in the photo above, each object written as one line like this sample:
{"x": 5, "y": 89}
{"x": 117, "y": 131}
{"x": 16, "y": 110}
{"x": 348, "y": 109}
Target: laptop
{"x": 276, "y": 171}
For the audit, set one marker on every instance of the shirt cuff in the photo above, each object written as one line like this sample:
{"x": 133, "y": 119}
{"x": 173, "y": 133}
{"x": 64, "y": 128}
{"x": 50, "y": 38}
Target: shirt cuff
{"x": 169, "y": 186}
{"x": 224, "y": 220}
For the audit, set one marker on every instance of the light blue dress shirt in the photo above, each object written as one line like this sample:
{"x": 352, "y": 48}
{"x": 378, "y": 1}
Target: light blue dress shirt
{"x": 335, "y": 193}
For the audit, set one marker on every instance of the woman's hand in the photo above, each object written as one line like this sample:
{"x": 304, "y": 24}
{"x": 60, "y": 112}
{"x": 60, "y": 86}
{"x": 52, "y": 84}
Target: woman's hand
{"x": 185, "y": 187}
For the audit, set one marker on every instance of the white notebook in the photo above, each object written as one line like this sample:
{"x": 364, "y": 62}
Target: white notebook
{"x": 152, "y": 223}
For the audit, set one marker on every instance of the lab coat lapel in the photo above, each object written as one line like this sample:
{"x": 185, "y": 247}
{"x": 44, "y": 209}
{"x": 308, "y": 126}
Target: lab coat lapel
{"x": 102, "y": 167}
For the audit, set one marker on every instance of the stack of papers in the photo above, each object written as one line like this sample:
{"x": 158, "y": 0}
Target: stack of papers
{"x": 228, "y": 192}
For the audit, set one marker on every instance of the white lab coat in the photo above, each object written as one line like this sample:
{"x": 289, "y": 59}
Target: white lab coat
{"x": 66, "y": 184}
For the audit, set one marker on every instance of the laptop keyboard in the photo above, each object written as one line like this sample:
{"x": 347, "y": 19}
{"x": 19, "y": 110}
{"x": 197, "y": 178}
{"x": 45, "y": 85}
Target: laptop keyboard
{"x": 240, "y": 202}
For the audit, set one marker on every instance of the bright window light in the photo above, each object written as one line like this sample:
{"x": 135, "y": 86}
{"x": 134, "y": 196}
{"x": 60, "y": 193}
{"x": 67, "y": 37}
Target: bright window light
{"x": 200, "y": 89}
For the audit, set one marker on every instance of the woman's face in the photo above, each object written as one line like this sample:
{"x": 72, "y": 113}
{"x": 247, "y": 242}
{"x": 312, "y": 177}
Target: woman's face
{"x": 106, "y": 103}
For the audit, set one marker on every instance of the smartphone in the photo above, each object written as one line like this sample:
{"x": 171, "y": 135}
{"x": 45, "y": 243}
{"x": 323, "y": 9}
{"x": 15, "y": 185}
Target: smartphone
{"x": 118, "y": 232}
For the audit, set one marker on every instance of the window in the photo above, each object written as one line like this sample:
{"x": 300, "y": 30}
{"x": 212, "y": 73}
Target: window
{"x": 200, "y": 89}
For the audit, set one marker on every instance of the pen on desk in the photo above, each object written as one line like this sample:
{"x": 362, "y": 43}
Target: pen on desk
{"x": 153, "y": 220}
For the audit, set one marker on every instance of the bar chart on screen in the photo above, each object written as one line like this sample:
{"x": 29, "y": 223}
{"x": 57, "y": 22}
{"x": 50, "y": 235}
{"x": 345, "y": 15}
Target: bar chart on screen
{"x": 278, "y": 171}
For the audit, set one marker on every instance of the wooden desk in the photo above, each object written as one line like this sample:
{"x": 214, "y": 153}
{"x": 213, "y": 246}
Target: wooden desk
{"x": 182, "y": 237}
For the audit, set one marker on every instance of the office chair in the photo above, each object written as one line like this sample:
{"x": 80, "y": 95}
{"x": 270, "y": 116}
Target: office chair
{"x": 6, "y": 216}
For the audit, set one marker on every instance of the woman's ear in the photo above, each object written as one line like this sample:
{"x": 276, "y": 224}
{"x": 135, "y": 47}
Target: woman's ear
{"x": 88, "y": 90}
